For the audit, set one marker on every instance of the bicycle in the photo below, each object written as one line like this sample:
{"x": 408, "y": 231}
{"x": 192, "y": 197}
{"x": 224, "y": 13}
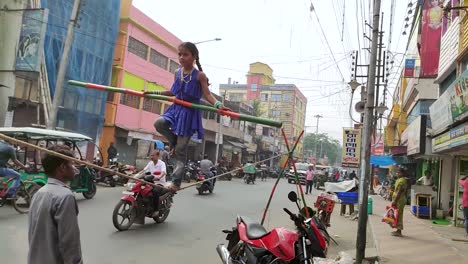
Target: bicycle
{"x": 23, "y": 198}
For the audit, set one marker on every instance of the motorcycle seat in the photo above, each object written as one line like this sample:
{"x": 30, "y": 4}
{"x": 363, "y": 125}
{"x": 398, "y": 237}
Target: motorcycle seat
{"x": 254, "y": 229}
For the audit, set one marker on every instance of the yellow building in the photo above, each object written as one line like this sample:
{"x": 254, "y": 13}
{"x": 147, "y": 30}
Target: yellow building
{"x": 283, "y": 102}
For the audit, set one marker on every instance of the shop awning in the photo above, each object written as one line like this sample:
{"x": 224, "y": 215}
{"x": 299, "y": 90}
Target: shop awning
{"x": 382, "y": 160}
{"x": 237, "y": 145}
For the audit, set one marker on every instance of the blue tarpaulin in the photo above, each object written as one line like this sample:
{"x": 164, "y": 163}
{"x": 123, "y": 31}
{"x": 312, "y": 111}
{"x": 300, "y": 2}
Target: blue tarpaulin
{"x": 382, "y": 160}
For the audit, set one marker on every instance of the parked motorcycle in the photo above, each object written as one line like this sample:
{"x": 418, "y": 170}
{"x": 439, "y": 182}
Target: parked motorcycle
{"x": 106, "y": 177}
{"x": 386, "y": 190}
{"x": 191, "y": 171}
{"x": 137, "y": 203}
{"x": 222, "y": 170}
{"x": 250, "y": 243}
{"x": 206, "y": 186}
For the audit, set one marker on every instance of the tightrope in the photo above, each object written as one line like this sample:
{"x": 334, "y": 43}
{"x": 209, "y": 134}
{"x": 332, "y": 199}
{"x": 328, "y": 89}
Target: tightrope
{"x": 94, "y": 166}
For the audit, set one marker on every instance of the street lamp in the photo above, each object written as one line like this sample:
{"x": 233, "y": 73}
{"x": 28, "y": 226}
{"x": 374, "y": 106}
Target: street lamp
{"x": 215, "y": 39}
{"x": 381, "y": 109}
{"x": 354, "y": 84}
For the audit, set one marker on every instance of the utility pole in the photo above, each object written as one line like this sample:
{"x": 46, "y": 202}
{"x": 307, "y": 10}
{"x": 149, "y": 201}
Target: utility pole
{"x": 368, "y": 122}
{"x": 59, "y": 85}
{"x": 219, "y": 135}
{"x": 316, "y": 136}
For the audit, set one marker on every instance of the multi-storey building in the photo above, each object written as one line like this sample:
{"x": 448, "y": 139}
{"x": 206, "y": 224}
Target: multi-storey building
{"x": 283, "y": 102}
{"x": 145, "y": 59}
{"x": 32, "y": 34}
{"x": 428, "y": 121}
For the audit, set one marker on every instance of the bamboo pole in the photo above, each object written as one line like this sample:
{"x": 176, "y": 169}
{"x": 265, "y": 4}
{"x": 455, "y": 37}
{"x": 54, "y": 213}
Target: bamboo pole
{"x": 234, "y": 115}
{"x": 75, "y": 160}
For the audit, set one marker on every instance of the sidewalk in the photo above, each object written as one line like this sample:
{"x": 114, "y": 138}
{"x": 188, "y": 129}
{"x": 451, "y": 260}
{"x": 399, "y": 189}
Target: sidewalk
{"x": 421, "y": 243}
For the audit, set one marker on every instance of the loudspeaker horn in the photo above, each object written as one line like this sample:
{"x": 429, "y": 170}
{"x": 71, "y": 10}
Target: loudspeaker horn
{"x": 359, "y": 107}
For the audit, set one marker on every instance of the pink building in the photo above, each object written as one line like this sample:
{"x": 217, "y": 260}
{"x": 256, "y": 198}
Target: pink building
{"x": 145, "y": 60}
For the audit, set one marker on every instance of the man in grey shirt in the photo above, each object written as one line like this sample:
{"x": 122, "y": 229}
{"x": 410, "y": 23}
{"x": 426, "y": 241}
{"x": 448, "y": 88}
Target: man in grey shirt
{"x": 205, "y": 166}
{"x": 54, "y": 235}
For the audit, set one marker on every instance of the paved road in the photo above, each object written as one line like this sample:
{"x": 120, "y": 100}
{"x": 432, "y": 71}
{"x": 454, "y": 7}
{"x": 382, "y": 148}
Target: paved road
{"x": 189, "y": 235}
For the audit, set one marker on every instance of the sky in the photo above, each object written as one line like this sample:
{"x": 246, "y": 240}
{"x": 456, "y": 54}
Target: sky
{"x": 311, "y": 49}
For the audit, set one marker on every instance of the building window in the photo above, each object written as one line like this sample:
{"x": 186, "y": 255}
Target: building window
{"x": 130, "y": 100}
{"x": 152, "y": 106}
{"x": 253, "y": 87}
{"x": 275, "y": 113}
{"x": 173, "y": 66}
{"x": 276, "y": 97}
{"x": 265, "y": 131}
{"x": 236, "y": 97}
{"x": 110, "y": 97}
{"x": 287, "y": 98}
{"x": 138, "y": 48}
{"x": 158, "y": 59}
{"x": 25, "y": 89}
{"x": 264, "y": 97}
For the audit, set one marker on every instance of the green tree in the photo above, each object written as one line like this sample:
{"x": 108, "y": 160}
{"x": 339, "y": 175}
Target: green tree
{"x": 330, "y": 147}
{"x": 257, "y": 109}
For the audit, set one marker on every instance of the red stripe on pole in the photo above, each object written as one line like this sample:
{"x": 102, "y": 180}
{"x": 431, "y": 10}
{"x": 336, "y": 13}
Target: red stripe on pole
{"x": 96, "y": 86}
{"x": 182, "y": 102}
{"x": 133, "y": 92}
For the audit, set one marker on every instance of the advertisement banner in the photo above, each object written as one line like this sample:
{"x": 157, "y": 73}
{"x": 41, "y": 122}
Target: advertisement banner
{"x": 457, "y": 136}
{"x": 441, "y": 116}
{"x": 377, "y": 146}
{"x": 31, "y": 41}
{"x": 432, "y": 15}
{"x": 416, "y": 133}
{"x": 409, "y": 68}
{"x": 351, "y": 153}
{"x": 459, "y": 97}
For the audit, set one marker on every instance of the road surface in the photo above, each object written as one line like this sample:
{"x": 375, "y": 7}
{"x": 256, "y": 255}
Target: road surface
{"x": 189, "y": 235}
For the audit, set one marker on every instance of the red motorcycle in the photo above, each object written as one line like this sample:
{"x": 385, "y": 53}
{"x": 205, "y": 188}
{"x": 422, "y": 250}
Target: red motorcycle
{"x": 250, "y": 243}
{"x": 137, "y": 203}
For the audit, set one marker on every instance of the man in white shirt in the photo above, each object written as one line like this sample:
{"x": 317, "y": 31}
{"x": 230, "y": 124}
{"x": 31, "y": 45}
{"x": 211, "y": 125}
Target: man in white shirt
{"x": 156, "y": 165}
{"x": 426, "y": 180}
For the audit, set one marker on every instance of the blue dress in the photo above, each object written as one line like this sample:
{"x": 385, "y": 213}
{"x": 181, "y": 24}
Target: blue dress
{"x": 185, "y": 121}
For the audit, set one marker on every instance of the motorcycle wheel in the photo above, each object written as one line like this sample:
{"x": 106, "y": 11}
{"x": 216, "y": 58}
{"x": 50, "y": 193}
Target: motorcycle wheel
{"x": 91, "y": 191}
{"x": 162, "y": 216}
{"x": 200, "y": 191}
{"x": 125, "y": 210}
{"x": 112, "y": 182}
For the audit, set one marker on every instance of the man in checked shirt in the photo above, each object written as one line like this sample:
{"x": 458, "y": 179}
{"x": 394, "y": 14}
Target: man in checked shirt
{"x": 54, "y": 235}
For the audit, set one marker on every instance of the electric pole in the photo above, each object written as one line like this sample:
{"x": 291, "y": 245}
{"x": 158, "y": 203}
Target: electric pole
{"x": 368, "y": 124}
{"x": 316, "y": 137}
{"x": 59, "y": 84}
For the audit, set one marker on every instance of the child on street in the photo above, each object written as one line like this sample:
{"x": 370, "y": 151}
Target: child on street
{"x": 178, "y": 123}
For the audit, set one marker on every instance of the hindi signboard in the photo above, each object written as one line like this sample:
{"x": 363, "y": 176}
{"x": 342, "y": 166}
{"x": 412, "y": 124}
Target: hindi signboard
{"x": 351, "y": 153}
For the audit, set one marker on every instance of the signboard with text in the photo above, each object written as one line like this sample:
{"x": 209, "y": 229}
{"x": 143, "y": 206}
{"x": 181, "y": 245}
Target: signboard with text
{"x": 351, "y": 153}
{"x": 457, "y": 136}
{"x": 31, "y": 41}
{"x": 410, "y": 64}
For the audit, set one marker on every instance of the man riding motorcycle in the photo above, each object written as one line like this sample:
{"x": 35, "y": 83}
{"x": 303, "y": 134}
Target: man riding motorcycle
{"x": 7, "y": 152}
{"x": 205, "y": 166}
{"x": 156, "y": 165}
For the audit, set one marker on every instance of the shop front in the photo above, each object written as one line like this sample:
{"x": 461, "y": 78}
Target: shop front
{"x": 453, "y": 148}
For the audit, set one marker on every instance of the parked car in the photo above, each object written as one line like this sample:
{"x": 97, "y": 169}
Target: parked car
{"x": 301, "y": 171}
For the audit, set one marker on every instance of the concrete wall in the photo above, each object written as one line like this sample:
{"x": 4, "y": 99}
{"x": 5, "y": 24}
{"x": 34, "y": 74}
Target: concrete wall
{"x": 10, "y": 25}
{"x": 447, "y": 172}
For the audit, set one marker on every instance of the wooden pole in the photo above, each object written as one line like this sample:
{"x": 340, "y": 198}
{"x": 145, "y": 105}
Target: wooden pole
{"x": 75, "y": 160}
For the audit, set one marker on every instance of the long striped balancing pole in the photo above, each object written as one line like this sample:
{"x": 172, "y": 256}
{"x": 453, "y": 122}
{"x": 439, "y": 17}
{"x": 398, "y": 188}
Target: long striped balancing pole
{"x": 232, "y": 114}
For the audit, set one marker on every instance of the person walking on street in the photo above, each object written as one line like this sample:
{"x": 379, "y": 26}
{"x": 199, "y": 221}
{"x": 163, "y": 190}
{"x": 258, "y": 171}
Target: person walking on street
{"x": 310, "y": 179}
{"x": 7, "y": 153}
{"x": 399, "y": 199}
{"x": 111, "y": 151}
{"x": 54, "y": 234}
{"x": 179, "y": 123}
{"x": 464, "y": 183}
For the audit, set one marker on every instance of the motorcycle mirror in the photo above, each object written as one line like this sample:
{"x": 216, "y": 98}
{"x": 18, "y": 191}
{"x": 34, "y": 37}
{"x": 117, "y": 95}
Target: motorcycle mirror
{"x": 292, "y": 196}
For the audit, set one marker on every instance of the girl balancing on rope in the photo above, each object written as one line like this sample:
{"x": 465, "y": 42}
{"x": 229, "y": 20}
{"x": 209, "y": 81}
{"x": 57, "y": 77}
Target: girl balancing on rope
{"x": 178, "y": 123}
